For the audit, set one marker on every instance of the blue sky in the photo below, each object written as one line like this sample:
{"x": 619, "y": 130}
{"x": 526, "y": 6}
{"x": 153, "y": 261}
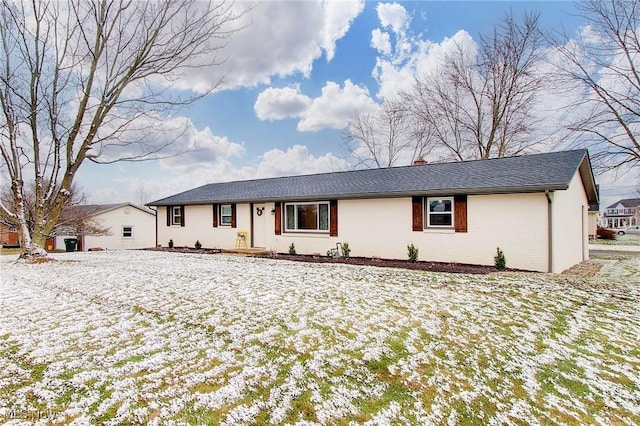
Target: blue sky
{"x": 295, "y": 75}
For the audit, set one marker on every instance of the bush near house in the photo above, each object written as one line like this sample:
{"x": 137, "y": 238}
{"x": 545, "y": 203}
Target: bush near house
{"x": 412, "y": 253}
{"x": 500, "y": 260}
{"x": 605, "y": 234}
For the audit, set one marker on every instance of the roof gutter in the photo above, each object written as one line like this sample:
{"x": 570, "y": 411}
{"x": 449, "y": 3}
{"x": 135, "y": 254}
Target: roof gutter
{"x": 549, "y": 230}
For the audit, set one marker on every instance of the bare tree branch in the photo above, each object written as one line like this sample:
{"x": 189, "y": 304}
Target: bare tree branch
{"x": 82, "y": 80}
{"x": 604, "y": 65}
{"x": 480, "y": 106}
{"x": 386, "y": 138}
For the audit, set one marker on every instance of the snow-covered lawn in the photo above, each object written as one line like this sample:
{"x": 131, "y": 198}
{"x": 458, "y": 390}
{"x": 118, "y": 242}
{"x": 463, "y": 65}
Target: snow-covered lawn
{"x": 165, "y": 338}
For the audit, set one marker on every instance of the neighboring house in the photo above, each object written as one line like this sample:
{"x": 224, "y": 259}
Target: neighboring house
{"x": 533, "y": 207}
{"x": 622, "y": 214}
{"x": 8, "y": 235}
{"x": 107, "y": 226}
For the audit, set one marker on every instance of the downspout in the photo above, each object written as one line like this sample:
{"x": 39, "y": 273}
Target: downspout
{"x": 157, "y": 229}
{"x": 549, "y": 230}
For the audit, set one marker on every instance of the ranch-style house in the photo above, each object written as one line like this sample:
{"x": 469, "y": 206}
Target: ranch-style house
{"x": 534, "y": 207}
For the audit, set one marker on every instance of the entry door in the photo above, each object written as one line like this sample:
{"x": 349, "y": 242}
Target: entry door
{"x": 260, "y": 214}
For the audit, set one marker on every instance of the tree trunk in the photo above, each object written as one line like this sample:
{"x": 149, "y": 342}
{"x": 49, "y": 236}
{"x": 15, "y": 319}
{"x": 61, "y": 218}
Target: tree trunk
{"x": 32, "y": 247}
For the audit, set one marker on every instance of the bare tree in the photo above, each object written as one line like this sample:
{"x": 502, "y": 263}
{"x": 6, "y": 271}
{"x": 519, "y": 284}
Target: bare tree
{"x": 74, "y": 219}
{"x": 386, "y": 137}
{"x": 142, "y": 195}
{"x": 80, "y": 220}
{"x": 604, "y": 64}
{"x": 82, "y": 80}
{"x": 480, "y": 105}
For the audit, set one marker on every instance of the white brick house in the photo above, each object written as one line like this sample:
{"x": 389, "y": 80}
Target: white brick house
{"x": 533, "y": 207}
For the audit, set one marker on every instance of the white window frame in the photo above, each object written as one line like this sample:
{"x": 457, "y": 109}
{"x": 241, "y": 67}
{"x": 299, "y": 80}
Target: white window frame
{"x": 176, "y": 213}
{"x": 222, "y": 216}
{"x": 295, "y": 217}
{"x": 429, "y": 213}
{"x": 130, "y": 227}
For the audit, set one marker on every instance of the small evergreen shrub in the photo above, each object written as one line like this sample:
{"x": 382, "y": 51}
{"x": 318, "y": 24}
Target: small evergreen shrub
{"x": 346, "y": 249}
{"x": 412, "y": 253}
{"x": 292, "y": 249}
{"x": 170, "y": 243}
{"x": 198, "y": 245}
{"x": 605, "y": 234}
{"x": 500, "y": 260}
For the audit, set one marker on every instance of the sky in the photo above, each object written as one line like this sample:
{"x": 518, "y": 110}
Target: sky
{"x": 293, "y": 77}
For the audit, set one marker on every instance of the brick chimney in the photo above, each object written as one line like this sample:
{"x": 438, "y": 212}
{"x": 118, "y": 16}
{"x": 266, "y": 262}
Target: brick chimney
{"x": 419, "y": 161}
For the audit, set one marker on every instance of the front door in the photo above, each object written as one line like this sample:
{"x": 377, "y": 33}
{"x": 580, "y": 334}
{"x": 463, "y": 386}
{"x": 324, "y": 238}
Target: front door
{"x": 259, "y": 225}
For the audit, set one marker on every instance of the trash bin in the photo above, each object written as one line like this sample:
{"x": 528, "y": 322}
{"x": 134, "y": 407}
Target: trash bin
{"x": 70, "y": 244}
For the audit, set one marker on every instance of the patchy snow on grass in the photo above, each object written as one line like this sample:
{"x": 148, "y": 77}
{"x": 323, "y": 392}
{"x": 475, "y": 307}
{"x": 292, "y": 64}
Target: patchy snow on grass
{"x": 163, "y": 338}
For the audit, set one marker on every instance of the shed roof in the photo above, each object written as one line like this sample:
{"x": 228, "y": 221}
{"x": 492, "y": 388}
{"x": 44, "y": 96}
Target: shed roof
{"x": 527, "y": 173}
{"x": 96, "y": 209}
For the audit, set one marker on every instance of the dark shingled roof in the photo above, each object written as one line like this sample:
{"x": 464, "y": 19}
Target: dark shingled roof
{"x": 527, "y": 173}
{"x": 627, "y": 203}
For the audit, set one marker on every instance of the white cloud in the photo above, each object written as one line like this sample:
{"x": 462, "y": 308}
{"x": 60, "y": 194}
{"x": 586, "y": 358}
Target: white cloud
{"x": 196, "y": 148}
{"x": 338, "y": 16}
{"x": 279, "y": 103}
{"x": 380, "y": 41}
{"x": 334, "y": 108}
{"x": 280, "y": 38}
{"x": 395, "y": 73}
{"x": 393, "y": 15}
{"x": 331, "y": 110}
{"x": 178, "y": 176}
{"x": 294, "y": 161}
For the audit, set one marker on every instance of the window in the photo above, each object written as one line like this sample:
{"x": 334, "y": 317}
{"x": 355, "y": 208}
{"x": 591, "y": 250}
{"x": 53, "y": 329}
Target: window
{"x": 127, "y": 232}
{"x": 225, "y": 215}
{"x": 439, "y": 212}
{"x": 176, "y": 215}
{"x": 307, "y": 217}
{"x": 446, "y": 213}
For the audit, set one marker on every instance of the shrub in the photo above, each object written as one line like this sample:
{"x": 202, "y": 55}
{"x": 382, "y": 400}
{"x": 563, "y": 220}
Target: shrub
{"x": 170, "y": 243}
{"x": 500, "y": 260}
{"x": 412, "y": 252}
{"x": 198, "y": 245}
{"x": 605, "y": 234}
{"x": 346, "y": 249}
{"x": 292, "y": 249}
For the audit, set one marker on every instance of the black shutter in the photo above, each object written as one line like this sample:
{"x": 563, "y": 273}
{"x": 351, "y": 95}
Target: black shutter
{"x": 215, "y": 215}
{"x": 181, "y": 215}
{"x": 168, "y": 215}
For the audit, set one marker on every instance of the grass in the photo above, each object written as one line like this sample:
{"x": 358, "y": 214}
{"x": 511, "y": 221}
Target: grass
{"x": 9, "y": 251}
{"x": 621, "y": 240}
{"x": 134, "y": 337}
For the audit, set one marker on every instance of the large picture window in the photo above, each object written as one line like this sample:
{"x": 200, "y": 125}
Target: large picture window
{"x": 439, "y": 212}
{"x": 307, "y": 217}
